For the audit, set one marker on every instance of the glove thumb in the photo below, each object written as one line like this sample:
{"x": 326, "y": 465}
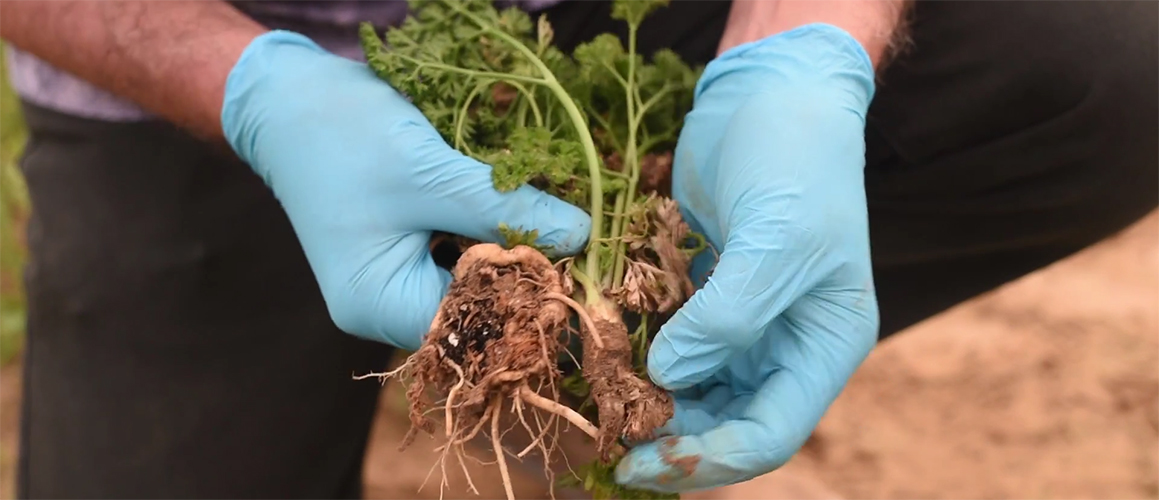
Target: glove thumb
{"x": 472, "y": 207}
{"x": 748, "y": 288}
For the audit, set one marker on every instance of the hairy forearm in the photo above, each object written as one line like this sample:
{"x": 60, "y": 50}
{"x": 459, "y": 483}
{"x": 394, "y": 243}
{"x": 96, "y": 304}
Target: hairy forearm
{"x": 877, "y": 24}
{"x": 170, "y": 57}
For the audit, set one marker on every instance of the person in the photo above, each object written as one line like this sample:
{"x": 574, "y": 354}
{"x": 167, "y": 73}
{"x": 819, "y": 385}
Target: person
{"x": 229, "y": 219}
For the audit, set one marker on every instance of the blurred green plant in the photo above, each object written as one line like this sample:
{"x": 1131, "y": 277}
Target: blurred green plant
{"x": 14, "y": 210}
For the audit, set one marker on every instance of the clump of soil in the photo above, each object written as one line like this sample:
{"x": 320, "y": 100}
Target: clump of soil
{"x": 629, "y": 406}
{"x": 495, "y": 341}
{"x": 496, "y": 332}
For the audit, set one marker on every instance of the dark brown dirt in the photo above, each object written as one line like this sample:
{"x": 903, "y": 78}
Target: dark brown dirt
{"x": 494, "y": 333}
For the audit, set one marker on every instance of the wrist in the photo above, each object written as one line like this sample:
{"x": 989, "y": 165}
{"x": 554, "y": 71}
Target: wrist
{"x": 875, "y": 24}
{"x": 254, "y": 78}
{"x": 812, "y": 59}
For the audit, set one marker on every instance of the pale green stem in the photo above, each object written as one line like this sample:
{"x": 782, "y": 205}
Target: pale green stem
{"x": 701, "y": 244}
{"x": 658, "y": 138}
{"x": 631, "y": 161}
{"x": 547, "y": 120}
{"x": 616, "y": 278}
{"x": 611, "y": 69}
{"x": 652, "y": 140}
{"x": 530, "y": 100}
{"x": 608, "y": 127}
{"x": 475, "y": 73}
{"x": 521, "y": 113}
{"x": 640, "y": 113}
{"x": 642, "y": 338}
{"x": 591, "y": 291}
{"x": 549, "y": 80}
{"x": 461, "y": 117}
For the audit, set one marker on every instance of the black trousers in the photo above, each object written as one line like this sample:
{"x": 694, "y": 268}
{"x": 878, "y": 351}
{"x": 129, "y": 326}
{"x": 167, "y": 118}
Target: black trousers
{"x": 179, "y": 347}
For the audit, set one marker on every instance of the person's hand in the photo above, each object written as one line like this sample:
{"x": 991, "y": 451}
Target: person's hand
{"x": 769, "y": 166}
{"x": 365, "y": 179}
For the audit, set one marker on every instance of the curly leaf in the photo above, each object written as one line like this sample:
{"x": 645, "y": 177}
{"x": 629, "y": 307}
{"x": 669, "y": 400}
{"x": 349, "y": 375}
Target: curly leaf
{"x": 533, "y": 155}
{"x": 634, "y": 11}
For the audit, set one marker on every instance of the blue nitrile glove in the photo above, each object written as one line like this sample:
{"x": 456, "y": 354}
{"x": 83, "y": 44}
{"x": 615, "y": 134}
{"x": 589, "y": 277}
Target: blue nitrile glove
{"x": 769, "y": 167}
{"x": 365, "y": 179}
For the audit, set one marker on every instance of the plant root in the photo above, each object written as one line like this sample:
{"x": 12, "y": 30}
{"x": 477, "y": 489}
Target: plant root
{"x": 486, "y": 338}
{"x": 553, "y": 407}
{"x": 498, "y": 333}
{"x": 585, "y": 318}
{"x": 629, "y": 407}
{"x": 499, "y": 451}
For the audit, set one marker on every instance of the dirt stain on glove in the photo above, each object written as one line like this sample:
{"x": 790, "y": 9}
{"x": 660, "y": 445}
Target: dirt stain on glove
{"x": 680, "y": 467}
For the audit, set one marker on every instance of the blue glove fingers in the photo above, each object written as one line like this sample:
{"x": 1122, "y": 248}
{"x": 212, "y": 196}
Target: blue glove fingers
{"x": 785, "y": 195}
{"x": 814, "y": 354}
{"x": 690, "y": 417}
{"x": 469, "y": 205}
{"x": 693, "y": 416}
{"x": 394, "y": 297}
{"x": 732, "y": 452}
{"x": 755, "y": 435}
{"x": 561, "y": 226}
{"x": 812, "y": 361}
{"x": 782, "y": 206}
{"x": 751, "y": 282}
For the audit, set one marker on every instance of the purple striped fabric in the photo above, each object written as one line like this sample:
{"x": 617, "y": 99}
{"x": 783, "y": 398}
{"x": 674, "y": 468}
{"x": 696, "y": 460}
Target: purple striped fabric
{"x": 331, "y": 23}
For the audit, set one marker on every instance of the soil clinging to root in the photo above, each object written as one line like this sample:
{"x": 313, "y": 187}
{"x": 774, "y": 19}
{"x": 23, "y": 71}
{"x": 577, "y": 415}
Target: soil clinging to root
{"x": 494, "y": 346}
{"x": 494, "y": 333}
{"x": 629, "y": 406}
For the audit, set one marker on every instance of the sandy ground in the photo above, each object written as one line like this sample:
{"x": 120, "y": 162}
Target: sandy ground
{"x": 1046, "y": 388}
